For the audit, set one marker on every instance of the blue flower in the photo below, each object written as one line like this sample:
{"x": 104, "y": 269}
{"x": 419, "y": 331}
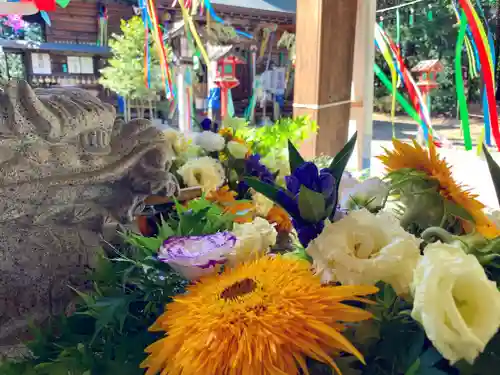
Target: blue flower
{"x": 209, "y": 125}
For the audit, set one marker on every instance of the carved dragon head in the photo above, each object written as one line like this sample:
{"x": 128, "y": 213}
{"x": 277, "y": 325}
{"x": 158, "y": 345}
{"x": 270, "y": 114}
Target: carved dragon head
{"x": 52, "y": 139}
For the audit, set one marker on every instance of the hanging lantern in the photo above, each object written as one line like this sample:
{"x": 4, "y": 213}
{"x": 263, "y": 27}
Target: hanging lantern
{"x": 429, "y": 13}
{"x": 381, "y": 22}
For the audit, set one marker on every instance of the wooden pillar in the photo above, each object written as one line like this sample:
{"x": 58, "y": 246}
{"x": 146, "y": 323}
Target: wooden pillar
{"x": 323, "y": 77}
{"x": 363, "y": 82}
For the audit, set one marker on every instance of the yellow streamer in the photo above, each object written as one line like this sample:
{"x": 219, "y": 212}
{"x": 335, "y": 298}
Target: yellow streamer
{"x": 192, "y": 27}
{"x": 483, "y": 37}
{"x": 158, "y": 43}
{"x": 263, "y": 47}
{"x": 388, "y": 58}
{"x": 481, "y": 141}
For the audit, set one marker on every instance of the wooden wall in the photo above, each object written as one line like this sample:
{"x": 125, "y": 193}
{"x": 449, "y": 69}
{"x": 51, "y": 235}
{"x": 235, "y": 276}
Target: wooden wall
{"x": 77, "y": 23}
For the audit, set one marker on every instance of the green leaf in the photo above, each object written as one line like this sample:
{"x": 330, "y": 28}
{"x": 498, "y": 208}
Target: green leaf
{"x": 269, "y": 191}
{"x": 413, "y": 370}
{"x": 311, "y": 205}
{"x": 457, "y": 211}
{"x": 296, "y": 160}
{"x": 430, "y": 357}
{"x": 339, "y": 162}
{"x": 494, "y": 171}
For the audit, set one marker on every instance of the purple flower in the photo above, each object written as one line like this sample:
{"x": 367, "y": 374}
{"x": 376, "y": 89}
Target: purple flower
{"x": 195, "y": 256}
{"x": 307, "y": 175}
{"x": 254, "y": 168}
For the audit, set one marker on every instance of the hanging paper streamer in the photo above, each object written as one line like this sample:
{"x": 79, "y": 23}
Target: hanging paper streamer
{"x": 230, "y": 104}
{"x": 412, "y": 16}
{"x": 45, "y": 18}
{"x": 459, "y": 81}
{"x": 400, "y": 98}
{"x": 102, "y": 39}
{"x": 381, "y": 43}
{"x": 265, "y": 41}
{"x": 216, "y": 18}
{"x": 148, "y": 7}
{"x": 485, "y": 57}
{"x": 62, "y": 3}
{"x": 398, "y": 28}
{"x": 189, "y": 21}
{"x": 429, "y": 13}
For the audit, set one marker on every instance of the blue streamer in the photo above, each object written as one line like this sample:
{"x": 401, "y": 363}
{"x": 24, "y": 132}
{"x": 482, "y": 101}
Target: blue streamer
{"x": 216, "y": 18}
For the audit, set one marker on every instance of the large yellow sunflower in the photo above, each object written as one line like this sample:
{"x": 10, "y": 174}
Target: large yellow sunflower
{"x": 417, "y": 158}
{"x": 260, "y": 318}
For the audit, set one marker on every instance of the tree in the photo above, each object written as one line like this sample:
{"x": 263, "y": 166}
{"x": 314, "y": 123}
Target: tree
{"x": 125, "y": 72}
{"x": 430, "y": 38}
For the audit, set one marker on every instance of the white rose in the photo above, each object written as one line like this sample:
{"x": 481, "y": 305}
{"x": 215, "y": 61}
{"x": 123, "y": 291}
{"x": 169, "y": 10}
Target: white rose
{"x": 237, "y": 150}
{"x": 205, "y": 172}
{"x": 210, "y": 141}
{"x": 363, "y": 249}
{"x": 455, "y": 302}
{"x": 371, "y": 193}
{"x": 252, "y": 240}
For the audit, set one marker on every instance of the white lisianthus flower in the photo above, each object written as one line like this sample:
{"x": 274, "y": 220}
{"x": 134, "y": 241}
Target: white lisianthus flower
{"x": 205, "y": 172}
{"x": 262, "y": 204}
{"x": 253, "y": 240}
{"x": 347, "y": 182}
{"x": 210, "y": 141}
{"x": 237, "y": 150}
{"x": 371, "y": 193}
{"x": 363, "y": 249}
{"x": 197, "y": 256}
{"x": 494, "y": 216}
{"x": 455, "y": 302}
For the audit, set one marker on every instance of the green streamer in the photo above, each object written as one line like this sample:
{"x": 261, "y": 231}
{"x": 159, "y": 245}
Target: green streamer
{"x": 459, "y": 82}
{"x": 412, "y": 16}
{"x": 400, "y": 98}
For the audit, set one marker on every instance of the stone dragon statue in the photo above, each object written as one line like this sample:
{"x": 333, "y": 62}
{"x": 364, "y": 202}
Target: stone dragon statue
{"x": 67, "y": 166}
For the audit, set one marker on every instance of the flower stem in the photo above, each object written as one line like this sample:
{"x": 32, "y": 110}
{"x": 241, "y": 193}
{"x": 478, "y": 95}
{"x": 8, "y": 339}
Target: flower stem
{"x": 431, "y": 234}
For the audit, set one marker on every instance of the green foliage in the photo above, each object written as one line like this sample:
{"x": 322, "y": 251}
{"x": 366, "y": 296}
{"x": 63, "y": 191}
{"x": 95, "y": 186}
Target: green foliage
{"x": 272, "y": 141}
{"x": 107, "y": 332}
{"x": 125, "y": 73}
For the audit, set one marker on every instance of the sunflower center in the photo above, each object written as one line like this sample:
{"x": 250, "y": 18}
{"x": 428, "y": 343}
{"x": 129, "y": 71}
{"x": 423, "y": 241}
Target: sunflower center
{"x": 238, "y": 289}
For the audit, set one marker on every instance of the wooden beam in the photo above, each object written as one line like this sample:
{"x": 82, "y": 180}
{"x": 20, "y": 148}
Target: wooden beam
{"x": 323, "y": 78}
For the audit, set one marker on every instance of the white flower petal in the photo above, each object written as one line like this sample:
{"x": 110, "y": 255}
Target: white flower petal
{"x": 455, "y": 302}
{"x": 362, "y": 249}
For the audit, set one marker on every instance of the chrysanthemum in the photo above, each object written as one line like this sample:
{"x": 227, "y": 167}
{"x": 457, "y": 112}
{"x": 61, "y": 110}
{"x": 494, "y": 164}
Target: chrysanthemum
{"x": 222, "y": 195}
{"x": 263, "y": 317}
{"x": 406, "y": 156}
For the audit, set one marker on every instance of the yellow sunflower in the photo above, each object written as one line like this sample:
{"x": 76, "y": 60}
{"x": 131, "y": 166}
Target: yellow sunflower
{"x": 417, "y": 158}
{"x": 260, "y": 318}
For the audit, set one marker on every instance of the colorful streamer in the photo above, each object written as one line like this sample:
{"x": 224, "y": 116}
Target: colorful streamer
{"x": 459, "y": 81}
{"x": 388, "y": 58}
{"x": 216, "y": 18}
{"x": 189, "y": 21}
{"x": 485, "y": 57}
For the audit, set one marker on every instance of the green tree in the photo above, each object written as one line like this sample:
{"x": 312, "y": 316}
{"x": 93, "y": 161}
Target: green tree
{"x": 430, "y": 38}
{"x": 125, "y": 72}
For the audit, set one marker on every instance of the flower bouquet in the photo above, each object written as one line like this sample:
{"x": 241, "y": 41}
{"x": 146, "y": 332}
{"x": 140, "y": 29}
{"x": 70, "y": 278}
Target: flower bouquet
{"x": 388, "y": 277}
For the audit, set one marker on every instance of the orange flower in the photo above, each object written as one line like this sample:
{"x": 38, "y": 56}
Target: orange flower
{"x": 222, "y": 196}
{"x": 280, "y": 217}
{"x": 243, "y": 211}
{"x": 227, "y": 133}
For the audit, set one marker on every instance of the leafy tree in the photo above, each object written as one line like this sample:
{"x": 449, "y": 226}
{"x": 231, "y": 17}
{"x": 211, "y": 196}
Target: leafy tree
{"x": 433, "y": 38}
{"x": 125, "y": 73}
